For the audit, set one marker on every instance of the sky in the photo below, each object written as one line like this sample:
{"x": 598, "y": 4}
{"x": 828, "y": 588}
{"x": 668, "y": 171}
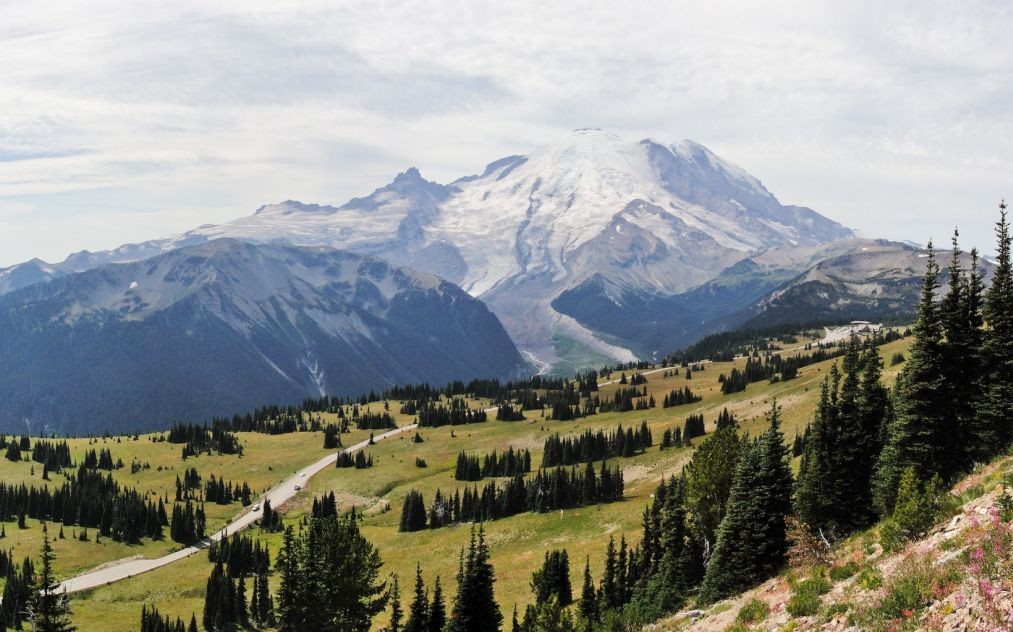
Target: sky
{"x": 127, "y": 121}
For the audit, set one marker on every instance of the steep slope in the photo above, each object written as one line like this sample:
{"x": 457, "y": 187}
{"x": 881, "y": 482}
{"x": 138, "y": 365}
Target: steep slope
{"x": 954, "y": 577}
{"x": 651, "y": 219}
{"x": 220, "y": 327}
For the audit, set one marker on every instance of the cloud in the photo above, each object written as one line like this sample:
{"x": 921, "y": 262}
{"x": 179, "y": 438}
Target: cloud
{"x": 144, "y": 117}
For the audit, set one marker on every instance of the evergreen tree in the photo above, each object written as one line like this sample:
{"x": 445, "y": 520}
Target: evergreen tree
{"x": 588, "y": 604}
{"x": 418, "y": 612}
{"x": 917, "y": 434}
{"x": 751, "y": 542}
{"x": 329, "y": 578}
{"x": 709, "y": 477}
{"x": 289, "y": 604}
{"x": 437, "y": 609}
{"x": 396, "y": 612}
{"x": 962, "y": 327}
{"x": 553, "y": 579}
{"x": 832, "y": 492}
{"x": 991, "y": 430}
{"x": 48, "y": 610}
{"x": 475, "y": 608}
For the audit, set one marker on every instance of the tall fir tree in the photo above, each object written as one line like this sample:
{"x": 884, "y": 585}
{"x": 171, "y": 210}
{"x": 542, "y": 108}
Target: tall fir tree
{"x": 290, "y": 606}
{"x": 588, "y": 604}
{"x": 396, "y": 612}
{"x": 475, "y": 608}
{"x": 709, "y": 477}
{"x": 48, "y": 608}
{"x": 833, "y": 490}
{"x": 960, "y": 363}
{"x": 916, "y": 435}
{"x": 815, "y": 492}
{"x": 751, "y": 541}
{"x": 991, "y": 431}
{"x": 418, "y": 611}
{"x": 437, "y": 609}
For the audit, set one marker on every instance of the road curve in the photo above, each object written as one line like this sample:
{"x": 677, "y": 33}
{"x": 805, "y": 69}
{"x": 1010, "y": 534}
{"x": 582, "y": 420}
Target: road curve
{"x": 277, "y": 495}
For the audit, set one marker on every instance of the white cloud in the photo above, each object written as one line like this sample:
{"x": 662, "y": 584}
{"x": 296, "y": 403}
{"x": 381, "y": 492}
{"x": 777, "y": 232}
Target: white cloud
{"x": 123, "y": 121}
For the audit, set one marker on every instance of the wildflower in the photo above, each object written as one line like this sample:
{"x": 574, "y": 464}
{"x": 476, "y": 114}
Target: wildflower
{"x": 988, "y": 589}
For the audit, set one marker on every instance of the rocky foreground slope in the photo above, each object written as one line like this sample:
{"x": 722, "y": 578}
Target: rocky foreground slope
{"x": 957, "y": 577}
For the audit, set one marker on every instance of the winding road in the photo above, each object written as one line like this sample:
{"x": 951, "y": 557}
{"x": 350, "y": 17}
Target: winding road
{"x": 278, "y": 495}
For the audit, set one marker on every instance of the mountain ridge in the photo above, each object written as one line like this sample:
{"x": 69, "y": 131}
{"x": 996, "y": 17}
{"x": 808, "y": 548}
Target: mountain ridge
{"x": 655, "y": 219}
{"x": 213, "y": 328}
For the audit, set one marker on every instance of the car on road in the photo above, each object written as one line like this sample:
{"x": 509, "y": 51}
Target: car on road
{"x": 298, "y": 487}
{"x": 302, "y": 473}
{"x": 255, "y": 508}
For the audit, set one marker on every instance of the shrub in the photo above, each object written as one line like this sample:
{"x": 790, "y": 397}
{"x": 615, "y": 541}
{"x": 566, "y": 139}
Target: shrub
{"x": 754, "y": 611}
{"x": 896, "y": 359}
{"x": 844, "y": 571}
{"x": 803, "y": 605}
{"x": 910, "y": 588}
{"x": 805, "y": 598}
{"x": 838, "y": 608}
{"x": 870, "y": 578}
{"x": 916, "y": 510}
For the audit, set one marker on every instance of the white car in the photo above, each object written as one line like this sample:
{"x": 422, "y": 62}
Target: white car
{"x": 302, "y": 473}
{"x": 255, "y": 508}
{"x": 298, "y": 487}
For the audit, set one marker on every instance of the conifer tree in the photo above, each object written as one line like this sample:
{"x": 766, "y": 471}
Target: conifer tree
{"x": 418, "y": 611}
{"x": 917, "y": 433}
{"x": 475, "y": 608}
{"x": 751, "y": 541}
{"x": 709, "y": 478}
{"x": 588, "y": 604}
{"x": 329, "y": 578}
{"x": 289, "y": 604}
{"x": 961, "y": 327}
{"x": 48, "y": 609}
{"x": 832, "y": 492}
{"x": 437, "y": 609}
{"x": 553, "y": 579}
{"x": 265, "y": 605}
{"x": 396, "y": 612}
{"x": 991, "y": 431}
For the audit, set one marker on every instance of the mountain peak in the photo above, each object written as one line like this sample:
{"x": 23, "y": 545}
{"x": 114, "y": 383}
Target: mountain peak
{"x": 291, "y": 207}
{"x": 410, "y": 175}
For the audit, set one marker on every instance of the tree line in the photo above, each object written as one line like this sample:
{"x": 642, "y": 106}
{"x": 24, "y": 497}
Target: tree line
{"x": 510, "y": 463}
{"x": 680, "y": 397}
{"x": 87, "y": 499}
{"x": 548, "y": 490}
{"x": 595, "y": 446}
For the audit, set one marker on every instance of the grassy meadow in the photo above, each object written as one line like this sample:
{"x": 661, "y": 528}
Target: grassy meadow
{"x": 517, "y": 543}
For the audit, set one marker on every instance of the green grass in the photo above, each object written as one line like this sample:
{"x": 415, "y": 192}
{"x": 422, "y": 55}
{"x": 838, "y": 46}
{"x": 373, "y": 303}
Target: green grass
{"x": 754, "y": 611}
{"x": 517, "y": 544}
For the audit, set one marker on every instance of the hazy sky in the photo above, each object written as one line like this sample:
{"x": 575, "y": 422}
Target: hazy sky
{"x": 123, "y": 121}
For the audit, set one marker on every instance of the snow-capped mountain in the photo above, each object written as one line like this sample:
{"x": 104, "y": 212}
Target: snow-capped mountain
{"x": 591, "y": 213}
{"x": 221, "y": 327}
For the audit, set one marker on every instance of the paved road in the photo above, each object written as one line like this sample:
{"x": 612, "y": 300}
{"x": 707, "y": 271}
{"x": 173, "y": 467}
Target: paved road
{"x": 277, "y": 495}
